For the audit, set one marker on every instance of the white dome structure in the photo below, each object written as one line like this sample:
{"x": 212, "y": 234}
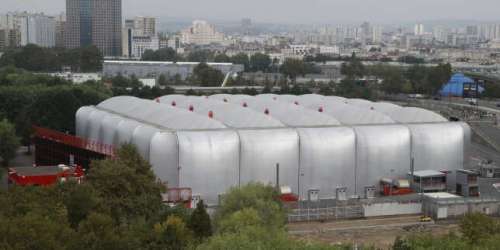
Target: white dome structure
{"x": 212, "y": 143}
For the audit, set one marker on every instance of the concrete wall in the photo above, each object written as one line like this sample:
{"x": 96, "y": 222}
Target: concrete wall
{"x": 155, "y": 69}
{"x": 391, "y": 209}
{"x": 449, "y": 211}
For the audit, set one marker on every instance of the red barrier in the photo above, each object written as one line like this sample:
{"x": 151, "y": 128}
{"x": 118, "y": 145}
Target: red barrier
{"x": 74, "y": 141}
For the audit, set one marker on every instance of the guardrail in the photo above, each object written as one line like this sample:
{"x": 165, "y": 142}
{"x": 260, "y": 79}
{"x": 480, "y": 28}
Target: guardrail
{"x": 74, "y": 141}
{"x": 324, "y": 214}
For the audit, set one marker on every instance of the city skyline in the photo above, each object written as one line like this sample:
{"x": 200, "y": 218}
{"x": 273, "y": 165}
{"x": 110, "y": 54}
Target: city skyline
{"x": 307, "y": 12}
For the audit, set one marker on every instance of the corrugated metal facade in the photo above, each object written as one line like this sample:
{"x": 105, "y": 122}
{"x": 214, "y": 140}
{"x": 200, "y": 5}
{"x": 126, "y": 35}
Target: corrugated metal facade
{"x": 213, "y": 143}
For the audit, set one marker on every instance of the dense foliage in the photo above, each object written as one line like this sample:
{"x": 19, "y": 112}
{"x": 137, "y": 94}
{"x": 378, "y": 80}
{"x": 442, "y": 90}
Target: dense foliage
{"x": 9, "y": 142}
{"x": 27, "y": 99}
{"x": 253, "y": 217}
{"x": 358, "y": 79}
{"x": 206, "y": 76}
{"x": 477, "y": 231}
{"x": 112, "y": 211}
{"x": 34, "y": 58}
{"x": 166, "y": 54}
{"x": 119, "y": 206}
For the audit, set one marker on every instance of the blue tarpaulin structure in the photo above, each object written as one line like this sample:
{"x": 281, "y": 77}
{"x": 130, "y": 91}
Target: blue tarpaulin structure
{"x": 458, "y": 85}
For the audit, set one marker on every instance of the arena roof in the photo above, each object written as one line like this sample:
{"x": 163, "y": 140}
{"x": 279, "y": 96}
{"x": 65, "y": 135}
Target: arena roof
{"x": 155, "y": 114}
{"x": 262, "y": 111}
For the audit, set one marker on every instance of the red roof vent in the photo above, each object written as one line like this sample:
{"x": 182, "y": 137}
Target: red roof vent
{"x": 266, "y": 111}
{"x": 210, "y": 114}
{"x": 174, "y": 104}
{"x": 191, "y": 108}
{"x": 320, "y": 109}
{"x": 245, "y": 104}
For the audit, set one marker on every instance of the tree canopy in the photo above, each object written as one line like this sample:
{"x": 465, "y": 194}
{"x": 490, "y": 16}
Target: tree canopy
{"x": 34, "y": 58}
{"x": 476, "y": 231}
{"x": 260, "y": 62}
{"x": 292, "y": 68}
{"x": 207, "y": 76}
{"x": 165, "y": 54}
{"x": 9, "y": 142}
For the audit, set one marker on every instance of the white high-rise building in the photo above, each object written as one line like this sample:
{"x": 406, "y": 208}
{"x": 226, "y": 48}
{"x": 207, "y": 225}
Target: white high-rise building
{"x": 419, "y": 29}
{"x": 440, "y": 33}
{"x": 36, "y": 29}
{"x": 139, "y": 35}
{"x": 377, "y": 34}
{"x": 145, "y": 26}
{"x": 201, "y": 33}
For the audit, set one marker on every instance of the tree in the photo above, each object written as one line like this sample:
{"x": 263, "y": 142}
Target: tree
{"x": 264, "y": 199}
{"x": 172, "y": 234}
{"x": 325, "y": 90}
{"x": 199, "y": 222}
{"x": 292, "y": 68}
{"x": 476, "y": 227}
{"x": 80, "y": 200}
{"x": 90, "y": 59}
{"x": 411, "y": 60}
{"x": 353, "y": 69}
{"x": 260, "y": 62}
{"x": 129, "y": 175}
{"x": 162, "y": 80}
{"x": 222, "y": 58}
{"x": 492, "y": 90}
{"x": 34, "y": 58}
{"x": 165, "y": 54}
{"x": 34, "y": 231}
{"x": 9, "y": 142}
{"x": 242, "y": 59}
{"x": 393, "y": 81}
{"x": 438, "y": 76}
{"x": 99, "y": 231}
{"x": 207, "y": 76}
{"x": 200, "y": 56}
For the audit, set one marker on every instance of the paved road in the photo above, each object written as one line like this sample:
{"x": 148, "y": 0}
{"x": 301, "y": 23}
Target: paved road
{"x": 349, "y": 225}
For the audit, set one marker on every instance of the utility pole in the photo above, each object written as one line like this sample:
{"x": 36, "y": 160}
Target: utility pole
{"x": 278, "y": 176}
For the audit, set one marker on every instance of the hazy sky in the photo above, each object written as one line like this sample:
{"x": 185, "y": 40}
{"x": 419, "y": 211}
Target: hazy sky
{"x": 292, "y": 11}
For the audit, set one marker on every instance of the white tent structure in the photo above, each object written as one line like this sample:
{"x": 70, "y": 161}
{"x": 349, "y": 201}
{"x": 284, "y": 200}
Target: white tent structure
{"x": 216, "y": 142}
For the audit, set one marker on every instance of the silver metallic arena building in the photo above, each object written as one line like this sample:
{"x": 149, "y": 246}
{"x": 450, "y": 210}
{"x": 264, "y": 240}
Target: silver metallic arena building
{"x": 320, "y": 142}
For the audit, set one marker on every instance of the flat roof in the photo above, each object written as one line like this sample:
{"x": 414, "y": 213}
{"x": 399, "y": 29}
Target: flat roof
{"x": 468, "y": 171}
{"x": 441, "y": 195}
{"x": 37, "y": 171}
{"x": 163, "y": 62}
{"x": 427, "y": 173}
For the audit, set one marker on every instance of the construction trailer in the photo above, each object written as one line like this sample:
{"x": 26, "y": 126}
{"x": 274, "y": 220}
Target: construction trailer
{"x": 427, "y": 181}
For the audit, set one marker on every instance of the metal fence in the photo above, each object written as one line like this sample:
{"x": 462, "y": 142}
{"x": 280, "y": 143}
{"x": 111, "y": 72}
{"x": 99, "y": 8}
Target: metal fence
{"x": 326, "y": 213}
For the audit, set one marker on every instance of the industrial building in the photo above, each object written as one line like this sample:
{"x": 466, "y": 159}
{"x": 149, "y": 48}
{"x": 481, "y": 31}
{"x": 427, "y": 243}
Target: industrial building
{"x": 308, "y": 142}
{"x": 144, "y": 69}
